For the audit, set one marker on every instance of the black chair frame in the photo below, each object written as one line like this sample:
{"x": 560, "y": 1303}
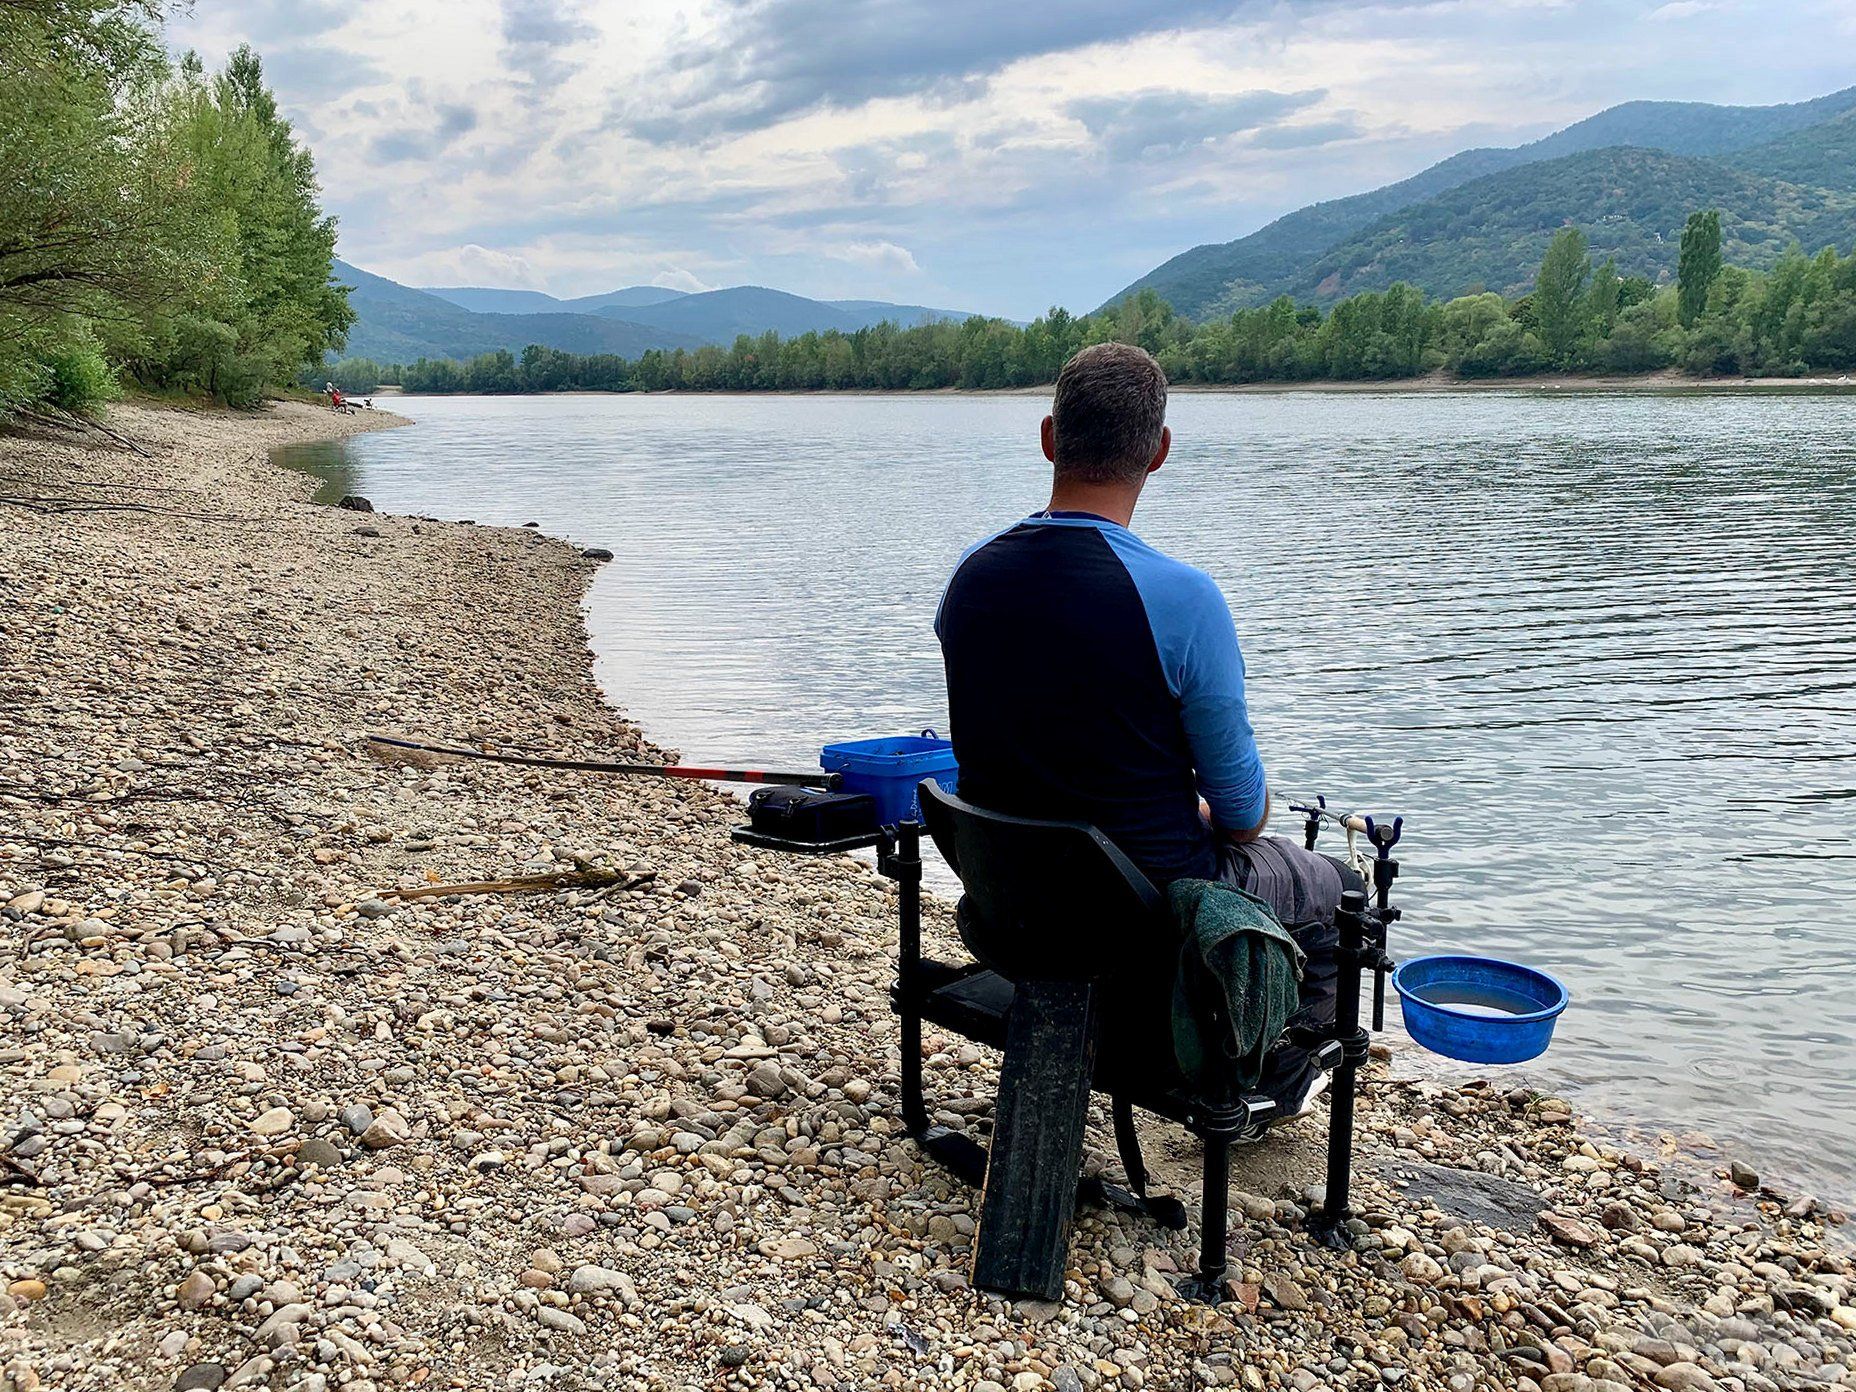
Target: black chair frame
{"x": 963, "y": 998}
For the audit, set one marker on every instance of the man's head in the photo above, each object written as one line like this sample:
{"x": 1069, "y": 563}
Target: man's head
{"x": 1107, "y": 422}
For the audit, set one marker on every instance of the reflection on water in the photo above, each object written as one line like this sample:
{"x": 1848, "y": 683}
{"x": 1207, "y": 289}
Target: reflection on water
{"x": 1599, "y": 650}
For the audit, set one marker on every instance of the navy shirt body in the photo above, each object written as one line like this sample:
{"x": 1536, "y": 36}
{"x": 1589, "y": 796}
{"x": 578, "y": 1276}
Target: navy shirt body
{"x": 1092, "y": 678}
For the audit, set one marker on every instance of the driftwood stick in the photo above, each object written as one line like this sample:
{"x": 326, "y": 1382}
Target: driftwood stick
{"x": 529, "y": 884}
{"x": 52, "y": 415}
{"x": 50, "y": 503}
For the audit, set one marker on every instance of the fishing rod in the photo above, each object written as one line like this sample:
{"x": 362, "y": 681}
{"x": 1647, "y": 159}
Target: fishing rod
{"x": 815, "y": 779}
{"x": 1379, "y": 870}
{"x": 1319, "y": 810}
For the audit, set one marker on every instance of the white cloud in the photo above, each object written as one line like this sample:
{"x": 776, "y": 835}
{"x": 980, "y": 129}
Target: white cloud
{"x": 471, "y": 264}
{"x": 884, "y": 255}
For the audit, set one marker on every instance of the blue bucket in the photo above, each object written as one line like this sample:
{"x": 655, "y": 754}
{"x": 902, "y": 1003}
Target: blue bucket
{"x": 891, "y": 769}
{"x": 1479, "y": 1009}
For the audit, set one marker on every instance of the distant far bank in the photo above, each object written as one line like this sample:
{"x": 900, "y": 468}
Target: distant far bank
{"x": 1658, "y": 383}
{"x": 1586, "y": 323}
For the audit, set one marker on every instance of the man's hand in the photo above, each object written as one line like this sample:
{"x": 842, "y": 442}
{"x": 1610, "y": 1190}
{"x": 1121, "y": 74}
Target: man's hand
{"x": 1237, "y": 838}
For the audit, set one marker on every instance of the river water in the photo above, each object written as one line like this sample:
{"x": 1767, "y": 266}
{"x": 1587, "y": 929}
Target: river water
{"x": 1598, "y": 649}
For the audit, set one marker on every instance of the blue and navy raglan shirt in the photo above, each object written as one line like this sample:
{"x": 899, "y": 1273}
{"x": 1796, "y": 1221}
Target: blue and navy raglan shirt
{"x": 1093, "y": 678}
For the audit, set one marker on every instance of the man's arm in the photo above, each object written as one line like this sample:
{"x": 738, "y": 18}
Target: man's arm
{"x": 1217, "y": 721}
{"x": 1239, "y": 838}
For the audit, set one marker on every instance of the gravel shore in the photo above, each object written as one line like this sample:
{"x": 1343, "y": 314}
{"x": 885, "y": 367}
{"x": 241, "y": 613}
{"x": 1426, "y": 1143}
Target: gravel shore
{"x": 265, "y": 1123}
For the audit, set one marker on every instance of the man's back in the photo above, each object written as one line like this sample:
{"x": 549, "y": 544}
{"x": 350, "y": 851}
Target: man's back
{"x": 1091, "y": 677}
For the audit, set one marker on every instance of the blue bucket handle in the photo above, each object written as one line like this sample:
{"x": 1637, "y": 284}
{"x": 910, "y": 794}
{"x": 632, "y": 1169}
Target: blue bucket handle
{"x": 928, "y": 732}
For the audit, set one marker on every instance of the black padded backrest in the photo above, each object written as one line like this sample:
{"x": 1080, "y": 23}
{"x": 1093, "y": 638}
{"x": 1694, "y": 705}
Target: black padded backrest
{"x": 1054, "y": 900}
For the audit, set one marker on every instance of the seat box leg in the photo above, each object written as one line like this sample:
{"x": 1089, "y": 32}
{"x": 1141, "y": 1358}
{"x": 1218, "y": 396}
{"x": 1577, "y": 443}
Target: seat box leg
{"x": 1207, "y": 1284}
{"x": 1023, "y": 1242}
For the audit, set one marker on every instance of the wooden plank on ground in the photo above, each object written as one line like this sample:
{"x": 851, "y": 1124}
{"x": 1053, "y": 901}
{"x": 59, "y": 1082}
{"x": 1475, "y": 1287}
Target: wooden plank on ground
{"x": 1023, "y": 1241}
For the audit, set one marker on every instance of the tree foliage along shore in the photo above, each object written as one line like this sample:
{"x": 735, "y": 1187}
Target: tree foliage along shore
{"x": 1797, "y": 318}
{"x": 154, "y": 220}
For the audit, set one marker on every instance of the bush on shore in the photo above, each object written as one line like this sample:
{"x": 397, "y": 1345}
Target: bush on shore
{"x": 157, "y": 223}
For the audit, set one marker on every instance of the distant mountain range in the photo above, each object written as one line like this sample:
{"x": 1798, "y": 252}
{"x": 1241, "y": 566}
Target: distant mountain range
{"x": 396, "y": 323}
{"x": 1481, "y": 219}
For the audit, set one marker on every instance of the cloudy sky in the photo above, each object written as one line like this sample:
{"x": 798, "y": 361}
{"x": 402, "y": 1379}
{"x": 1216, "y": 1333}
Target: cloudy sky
{"x": 992, "y": 155}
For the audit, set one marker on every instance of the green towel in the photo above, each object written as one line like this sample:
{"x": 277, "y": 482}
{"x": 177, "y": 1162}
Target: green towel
{"x": 1235, "y": 989}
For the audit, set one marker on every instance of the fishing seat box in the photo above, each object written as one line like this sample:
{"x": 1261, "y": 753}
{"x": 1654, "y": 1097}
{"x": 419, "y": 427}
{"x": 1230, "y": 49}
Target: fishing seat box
{"x": 810, "y": 814}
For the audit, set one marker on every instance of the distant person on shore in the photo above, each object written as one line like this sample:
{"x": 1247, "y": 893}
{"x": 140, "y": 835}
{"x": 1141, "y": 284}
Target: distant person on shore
{"x": 1093, "y": 678}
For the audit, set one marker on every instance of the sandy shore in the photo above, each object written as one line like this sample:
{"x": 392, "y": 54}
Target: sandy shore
{"x": 265, "y": 1124}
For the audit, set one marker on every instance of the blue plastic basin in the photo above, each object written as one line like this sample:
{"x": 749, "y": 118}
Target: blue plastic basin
{"x": 1479, "y": 1009}
{"x": 891, "y": 769}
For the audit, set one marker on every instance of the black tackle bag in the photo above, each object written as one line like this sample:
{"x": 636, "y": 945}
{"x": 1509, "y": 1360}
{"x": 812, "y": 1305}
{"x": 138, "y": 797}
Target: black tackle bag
{"x": 810, "y": 814}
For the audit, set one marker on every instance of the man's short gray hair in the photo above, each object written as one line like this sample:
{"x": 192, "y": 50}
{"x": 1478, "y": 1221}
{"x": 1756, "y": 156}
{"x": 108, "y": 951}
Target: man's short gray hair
{"x": 1108, "y": 413}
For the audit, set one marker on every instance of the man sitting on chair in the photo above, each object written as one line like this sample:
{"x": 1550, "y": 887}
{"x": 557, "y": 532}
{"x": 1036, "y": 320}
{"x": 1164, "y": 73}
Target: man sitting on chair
{"x": 1093, "y": 678}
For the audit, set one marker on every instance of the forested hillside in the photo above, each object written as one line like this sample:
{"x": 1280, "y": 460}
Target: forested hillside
{"x": 155, "y": 221}
{"x": 1490, "y": 234}
{"x": 1793, "y": 143}
{"x": 1823, "y": 156}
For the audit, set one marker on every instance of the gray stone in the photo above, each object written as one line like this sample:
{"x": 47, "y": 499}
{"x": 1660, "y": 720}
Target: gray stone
{"x": 1473, "y": 1197}
{"x": 765, "y": 1081}
{"x": 601, "y": 1280}
{"x": 201, "y": 1377}
{"x": 1284, "y": 1293}
{"x": 194, "y": 1292}
{"x": 387, "y": 1129}
{"x": 319, "y": 1153}
{"x": 281, "y": 1320}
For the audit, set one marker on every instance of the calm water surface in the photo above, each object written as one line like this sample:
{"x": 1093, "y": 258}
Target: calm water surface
{"x": 1599, "y": 650}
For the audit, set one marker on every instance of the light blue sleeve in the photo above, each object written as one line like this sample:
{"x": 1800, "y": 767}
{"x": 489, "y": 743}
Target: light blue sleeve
{"x": 1204, "y": 667}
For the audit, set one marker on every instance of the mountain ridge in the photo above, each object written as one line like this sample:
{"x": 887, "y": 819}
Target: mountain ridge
{"x": 1215, "y": 278}
{"x": 399, "y": 323}
{"x": 396, "y": 323}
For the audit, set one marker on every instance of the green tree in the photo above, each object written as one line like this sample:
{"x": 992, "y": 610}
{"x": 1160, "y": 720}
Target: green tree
{"x": 95, "y": 226}
{"x": 273, "y": 287}
{"x": 148, "y": 217}
{"x": 1559, "y": 306}
{"x": 1699, "y": 266}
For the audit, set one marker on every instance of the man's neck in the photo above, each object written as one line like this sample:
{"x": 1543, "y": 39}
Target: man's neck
{"x": 1115, "y": 501}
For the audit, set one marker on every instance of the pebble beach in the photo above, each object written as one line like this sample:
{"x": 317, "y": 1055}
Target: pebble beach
{"x": 279, "y": 1110}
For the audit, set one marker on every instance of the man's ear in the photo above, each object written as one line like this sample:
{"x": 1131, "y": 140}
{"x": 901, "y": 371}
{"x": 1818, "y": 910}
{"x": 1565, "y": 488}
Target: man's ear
{"x": 1166, "y": 443}
{"x": 1047, "y": 435}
